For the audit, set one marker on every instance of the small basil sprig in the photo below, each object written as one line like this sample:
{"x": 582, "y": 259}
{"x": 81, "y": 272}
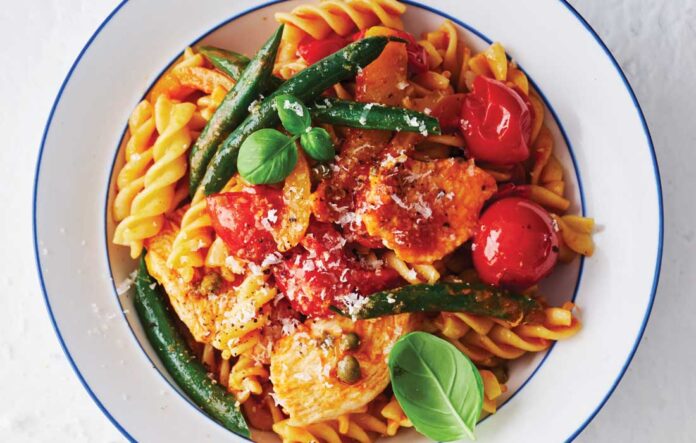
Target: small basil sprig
{"x": 438, "y": 387}
{"x": 268, "y": 155}
{"x": 318, "y": 145}
{"x": 293, "y": 114}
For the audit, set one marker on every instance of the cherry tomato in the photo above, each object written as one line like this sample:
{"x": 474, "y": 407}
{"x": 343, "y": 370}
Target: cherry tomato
{"x": 496, "y": 123}
{"x": 448, "y": 112}
{"x": 244, "y": 220}
{"x": 312, "y": 50}
{"x": 417, "y": 56}
{"x": 321, "y": 271}
{"x": 516, "y": 244}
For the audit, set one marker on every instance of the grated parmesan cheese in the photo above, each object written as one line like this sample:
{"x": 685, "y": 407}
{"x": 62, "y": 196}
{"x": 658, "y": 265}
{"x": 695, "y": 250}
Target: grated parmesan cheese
{"x": 295, "y": 107}
{"x": 126, "y": 284}
{"x": 353, "y": 303}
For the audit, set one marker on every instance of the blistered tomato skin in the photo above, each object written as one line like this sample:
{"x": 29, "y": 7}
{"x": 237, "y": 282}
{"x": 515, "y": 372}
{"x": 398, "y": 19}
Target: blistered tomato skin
{"x": 319, "y": 272}
{"x": 312, "y": 50}
{"x": 516, "y": 244}
{"x": 496, "y": 123}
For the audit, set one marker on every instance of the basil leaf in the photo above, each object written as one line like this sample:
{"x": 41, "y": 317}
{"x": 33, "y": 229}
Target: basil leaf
{"x": 318, "y": 145}
{"x": 437, "y": 386}
{"x": 267, "y": 156}
{"x": 293, "y": 114}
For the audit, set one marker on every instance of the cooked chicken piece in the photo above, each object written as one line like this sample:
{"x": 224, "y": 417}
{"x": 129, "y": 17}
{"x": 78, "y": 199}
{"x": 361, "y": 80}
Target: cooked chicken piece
{"x": 304, "y": 366}
{"x": 425, "y": 210}
{"x": 337, "y": 198}
{"x": 214, "y": 310}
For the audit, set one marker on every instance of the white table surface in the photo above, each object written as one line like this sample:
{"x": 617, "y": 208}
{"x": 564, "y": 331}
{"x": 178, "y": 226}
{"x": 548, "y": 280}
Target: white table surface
{"x": 42, "y": 400}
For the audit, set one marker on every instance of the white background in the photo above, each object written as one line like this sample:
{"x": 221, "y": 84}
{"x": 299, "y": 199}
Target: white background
{"x": 42, "y": 400}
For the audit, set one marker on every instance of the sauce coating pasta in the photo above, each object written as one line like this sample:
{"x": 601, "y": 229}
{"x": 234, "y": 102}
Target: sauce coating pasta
{"x": 253, "y": 273}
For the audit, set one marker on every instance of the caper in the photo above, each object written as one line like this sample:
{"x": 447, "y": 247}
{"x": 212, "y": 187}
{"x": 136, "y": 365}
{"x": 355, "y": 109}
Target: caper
{"x": 348, "y": 370}
{"x": 350, "y": 341}
{"x": 210, "y": 283}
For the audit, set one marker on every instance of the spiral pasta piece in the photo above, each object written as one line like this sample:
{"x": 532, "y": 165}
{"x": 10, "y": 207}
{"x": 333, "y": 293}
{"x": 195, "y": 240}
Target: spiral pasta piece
{"x": 483, "y": 340}
{"x": 396, "y": 418}
{"x": 131, "y": 178}
{"x": 414, "y": 274}
{"x": 246, "y": 377}
{"x": 343, "y": 16}
{"x": 492, "y": 389}
{"x": 358, "y": 426}
{"x": 249, "y": 315}
{"x": 576, "y": 233}
{"x": 156, "y": 197}
{"x": 195, "y": 235}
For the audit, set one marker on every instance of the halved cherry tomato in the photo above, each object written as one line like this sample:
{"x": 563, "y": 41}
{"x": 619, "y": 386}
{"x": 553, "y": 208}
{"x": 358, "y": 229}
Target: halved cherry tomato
{"x": 244, "y": 220}
{"x": 321, "y": 271}
{"x": 312, "y": 50}
{"x": 516, "y": 244}
{"x": 448, "y": 112}
{"x": 496, "y": 123}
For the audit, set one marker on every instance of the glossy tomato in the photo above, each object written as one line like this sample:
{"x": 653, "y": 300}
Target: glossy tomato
{"x": 321, "y": 272}
{"x": 244, "y": 220}
{"x": 516, "y": 244}
{"x": 312, "y": 50}
{"x": 496, "y": 123}
{"x": 448, "y": 112}
{"x": 417, "y": 56}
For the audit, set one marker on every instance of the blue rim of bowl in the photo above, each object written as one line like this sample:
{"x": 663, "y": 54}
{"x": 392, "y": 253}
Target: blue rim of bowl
{"x": 658, "y": 260}
{"x": 225, "y": 22}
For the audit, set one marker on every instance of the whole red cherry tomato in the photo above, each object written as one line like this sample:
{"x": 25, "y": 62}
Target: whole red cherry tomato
{"x": 312, "y": 50}
{"x": 516, "y": 244}
{"x": 496, "y": 123}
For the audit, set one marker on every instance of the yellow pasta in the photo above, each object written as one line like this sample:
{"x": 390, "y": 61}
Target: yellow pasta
{"x": 576, "y": 233}
{"x": 413, "y": 274}
{"x": 396, "y": 418}
{"x": 131, "y": 178}
{"x": 195, "y": 235}
{"x": 240, "y": 313}
{"x": 248, "y": 315}
{"x": 156, "y": 197}
{"x": 245, "y": 378}
{"x": 319, "y": 20}
{"x": 492, "y": 389}
{"x": 343, "y": 16}
{"x": 359, "y": 426}
{"x": 483, "y": 339}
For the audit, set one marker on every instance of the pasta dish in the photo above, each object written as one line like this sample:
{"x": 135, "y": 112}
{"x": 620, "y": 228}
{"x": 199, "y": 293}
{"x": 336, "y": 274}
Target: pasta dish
{"x": 342, "y": 235}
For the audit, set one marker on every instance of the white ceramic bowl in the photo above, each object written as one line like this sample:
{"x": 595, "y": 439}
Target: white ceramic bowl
{"x": 601, "y": 139}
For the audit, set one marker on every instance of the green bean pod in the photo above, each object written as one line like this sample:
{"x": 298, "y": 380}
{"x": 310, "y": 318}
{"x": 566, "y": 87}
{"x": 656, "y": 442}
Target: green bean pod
{"x": 187, "y": 371}
{"x": 472, "y": 298}
{"x": 307, "y": 85}
{"x": 233, "y": 109}
{"x": 373, "y": 116}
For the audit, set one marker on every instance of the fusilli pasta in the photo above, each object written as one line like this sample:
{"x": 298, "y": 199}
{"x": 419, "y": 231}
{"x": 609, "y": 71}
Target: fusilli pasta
{"x": 156, "y": 197}
{"x": 131, "y": 178}
{"x": 195, "y": 235}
